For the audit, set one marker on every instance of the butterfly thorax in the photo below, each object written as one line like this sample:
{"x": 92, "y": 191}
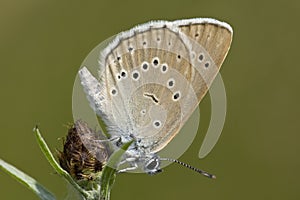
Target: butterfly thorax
{"x": 138, "y": 157}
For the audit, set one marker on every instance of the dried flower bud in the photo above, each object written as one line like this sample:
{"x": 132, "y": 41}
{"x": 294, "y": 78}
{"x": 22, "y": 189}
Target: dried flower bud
{"x": 84, "y": 154}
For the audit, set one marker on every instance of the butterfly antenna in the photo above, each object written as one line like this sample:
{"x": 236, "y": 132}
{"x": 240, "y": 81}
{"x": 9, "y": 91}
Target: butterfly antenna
{"x": 204, "y": 173}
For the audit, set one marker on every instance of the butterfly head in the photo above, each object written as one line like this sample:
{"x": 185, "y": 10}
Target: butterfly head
{"x": 152, "y": 165}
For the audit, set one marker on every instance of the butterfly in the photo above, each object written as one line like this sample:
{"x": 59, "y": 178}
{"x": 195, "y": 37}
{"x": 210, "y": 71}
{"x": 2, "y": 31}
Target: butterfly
{"x": 151, "y": 79}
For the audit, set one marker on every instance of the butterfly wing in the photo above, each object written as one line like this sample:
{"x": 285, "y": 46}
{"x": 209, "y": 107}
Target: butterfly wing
{"x": 153, "y": 77}
{"x": 215, "y": 37}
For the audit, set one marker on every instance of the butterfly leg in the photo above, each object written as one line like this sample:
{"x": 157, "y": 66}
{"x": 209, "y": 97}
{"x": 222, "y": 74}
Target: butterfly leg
{"x": 108, "y": 140}
{"x": 134, "y": 167}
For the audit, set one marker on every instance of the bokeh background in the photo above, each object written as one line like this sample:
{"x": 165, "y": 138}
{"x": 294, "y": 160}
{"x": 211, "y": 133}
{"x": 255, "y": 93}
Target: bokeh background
{"x": 43, "y": 43}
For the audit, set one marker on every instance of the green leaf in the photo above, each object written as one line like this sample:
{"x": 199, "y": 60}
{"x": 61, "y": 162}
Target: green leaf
{"x": 28, "y": 181}
{"x": 110, "y": 171}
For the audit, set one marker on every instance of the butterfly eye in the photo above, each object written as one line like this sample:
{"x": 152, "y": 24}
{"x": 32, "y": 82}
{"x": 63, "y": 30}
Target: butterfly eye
{"x": 152, "y": 166}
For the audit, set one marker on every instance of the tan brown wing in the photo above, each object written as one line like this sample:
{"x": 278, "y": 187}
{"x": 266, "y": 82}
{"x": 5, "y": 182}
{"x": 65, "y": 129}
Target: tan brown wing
{"x": 135, "y": 99}
{"x": 142, "y": 97}
{"x": 214, "y": 38}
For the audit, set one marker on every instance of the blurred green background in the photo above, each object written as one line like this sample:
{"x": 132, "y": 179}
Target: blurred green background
{"x": 43, "y": 43}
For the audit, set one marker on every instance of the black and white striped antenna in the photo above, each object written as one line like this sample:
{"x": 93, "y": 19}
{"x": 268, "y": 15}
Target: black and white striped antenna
{"x": 204, "y": 173}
